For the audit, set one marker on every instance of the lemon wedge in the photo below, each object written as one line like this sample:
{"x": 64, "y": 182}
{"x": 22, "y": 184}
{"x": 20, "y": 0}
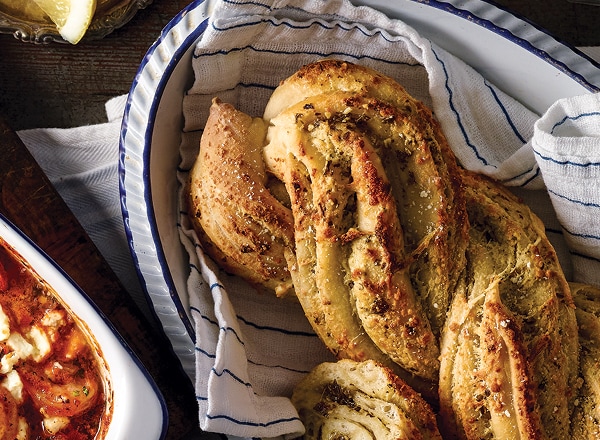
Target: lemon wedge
{"x": 72, "y": 17}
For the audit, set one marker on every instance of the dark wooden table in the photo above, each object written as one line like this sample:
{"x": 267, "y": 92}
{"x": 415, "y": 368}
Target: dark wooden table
{"x": 59, "y": 85}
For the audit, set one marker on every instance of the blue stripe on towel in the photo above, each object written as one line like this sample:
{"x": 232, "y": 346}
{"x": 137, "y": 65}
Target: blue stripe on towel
{"x": 573, "y": 118}
{"x": 250, "y": 423}
{"x": 585, "y": 257}
{"x": 253, "y": 3}
{"x": 535, "y": 170}
{"x": 276, "y": 329}
{"x": 577, "y": 202}
{"x": 566, "y": 162}
{"x": 229, "y": 373}
{"x": 280, "y": 367}
{"x": 204, "y": 317}
{"x": 536, "y": 174}
{"x": 192, "y": 266}
{"x": 505, "y": 112}
{"x": 257, "y": 326}
{"x": 580, "y": 235}
{"x": 453, "y": 108}
{"x": 315, "y": 23}
{"x": 220, "y": 286}
{"x": 318, "y": 53}
{"x": 205, "y": 353}
{"x": 554, "y": 231}
{"x": 223, "y": 329}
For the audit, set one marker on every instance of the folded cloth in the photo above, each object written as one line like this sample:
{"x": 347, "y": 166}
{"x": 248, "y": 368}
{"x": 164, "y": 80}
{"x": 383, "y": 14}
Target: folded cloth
{"x": 252, "y": 349}
{"x": 82, "y": 165}
{"x": 566, "y": 142}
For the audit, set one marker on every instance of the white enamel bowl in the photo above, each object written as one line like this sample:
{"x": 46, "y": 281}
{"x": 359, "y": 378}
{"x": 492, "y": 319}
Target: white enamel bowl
{"x": 139, "y": 410}
{"x": 521, "y": 59}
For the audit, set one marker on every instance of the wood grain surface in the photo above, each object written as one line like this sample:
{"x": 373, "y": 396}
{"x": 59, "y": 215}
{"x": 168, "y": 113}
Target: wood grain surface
{"x": 59, "y": 85}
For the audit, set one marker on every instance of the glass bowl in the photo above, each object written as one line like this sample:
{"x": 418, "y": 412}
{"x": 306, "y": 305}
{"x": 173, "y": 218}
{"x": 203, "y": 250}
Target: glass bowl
{"x": 28, "y": 23}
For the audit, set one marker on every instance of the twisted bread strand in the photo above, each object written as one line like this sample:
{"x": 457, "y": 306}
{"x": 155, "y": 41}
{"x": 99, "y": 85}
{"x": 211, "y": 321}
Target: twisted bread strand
{"x": 358, "y": 261}
{"x": 240, "y": 223}
{"x": 585, "y": 420}
{"x": 509, "y": 348}
{"x": 416, "y": 158}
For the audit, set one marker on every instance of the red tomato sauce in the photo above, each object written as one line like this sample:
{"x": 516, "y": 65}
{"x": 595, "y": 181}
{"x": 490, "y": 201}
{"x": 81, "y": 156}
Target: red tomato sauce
{"x": 51, "y": 386}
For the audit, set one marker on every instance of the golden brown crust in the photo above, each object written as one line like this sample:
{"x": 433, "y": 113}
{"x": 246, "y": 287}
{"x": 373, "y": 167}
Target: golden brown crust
{"x": 393, "y": 243}
{"x": 357, "y": 235}
{"x": 241, "y": 225}
{"x": 349, "y": 399}
{"x": 509, "y": 348}
{"x": 420, "y": 166}
{"x": 585, "y": 419}
{"x": 329, "y": 75}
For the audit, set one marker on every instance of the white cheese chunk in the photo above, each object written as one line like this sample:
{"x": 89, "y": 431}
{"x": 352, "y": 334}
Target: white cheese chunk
{"x": 41, "y": 343}
{"x": 8, "y": 361}
{"x": 55, "y": 424}
{"x": 22, "y": 348}
{"x": 36, "y": 346}
{"x": 53, "y": 318}
{"x": 12, "y": 382}
{"x": 4, "y": 326}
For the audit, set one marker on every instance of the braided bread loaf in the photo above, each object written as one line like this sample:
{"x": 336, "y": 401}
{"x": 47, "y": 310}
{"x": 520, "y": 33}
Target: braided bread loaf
{"x": 440, "y": 276}
{"x": 509, "y": 347}
{"x": 420, "y": 167}
{"x": 383, "y": 253}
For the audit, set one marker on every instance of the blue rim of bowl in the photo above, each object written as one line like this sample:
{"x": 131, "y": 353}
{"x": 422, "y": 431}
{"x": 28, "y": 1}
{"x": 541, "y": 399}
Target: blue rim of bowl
{"x": 100, "y": 313}
{"x": 548, "y": 47}
{"x": 159, "y": 258}
{"x": 490, "y": 16}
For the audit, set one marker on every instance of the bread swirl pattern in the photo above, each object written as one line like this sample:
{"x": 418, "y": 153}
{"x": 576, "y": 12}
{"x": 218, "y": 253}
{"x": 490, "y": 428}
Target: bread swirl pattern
{"x": 395, "y": 244}
{"x": 361, "y": 400}
{"x": 509, "y": 349}
{"x": 357, "y": 240}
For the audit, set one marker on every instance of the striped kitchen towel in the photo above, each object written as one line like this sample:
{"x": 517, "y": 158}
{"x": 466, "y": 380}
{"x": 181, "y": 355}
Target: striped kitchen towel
{"x": 252, "y": 349}
{"x": 566, "y": 142}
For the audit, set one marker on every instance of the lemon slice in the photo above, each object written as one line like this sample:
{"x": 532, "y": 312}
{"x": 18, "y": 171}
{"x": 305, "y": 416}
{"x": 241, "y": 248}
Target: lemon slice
{"x": 72, "y": 17}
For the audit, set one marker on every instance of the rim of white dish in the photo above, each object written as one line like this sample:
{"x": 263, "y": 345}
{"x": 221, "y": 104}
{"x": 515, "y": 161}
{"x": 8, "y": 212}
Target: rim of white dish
{"x": 156, "y": 68}
{"x": 520, "y": 31}
{"x": 60, "y": 281}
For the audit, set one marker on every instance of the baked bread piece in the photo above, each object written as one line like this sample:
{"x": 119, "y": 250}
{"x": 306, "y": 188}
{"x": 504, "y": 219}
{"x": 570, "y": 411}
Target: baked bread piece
{"x": 585, "y": 420}
{"x": 360, "y": 400}
{"x": 417, "y": 160}
{"x": 240, "y": 223}
{"x": 349, "y": 245}
{"x": 385, "y": 253}
{"x": 509, "y": 350}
